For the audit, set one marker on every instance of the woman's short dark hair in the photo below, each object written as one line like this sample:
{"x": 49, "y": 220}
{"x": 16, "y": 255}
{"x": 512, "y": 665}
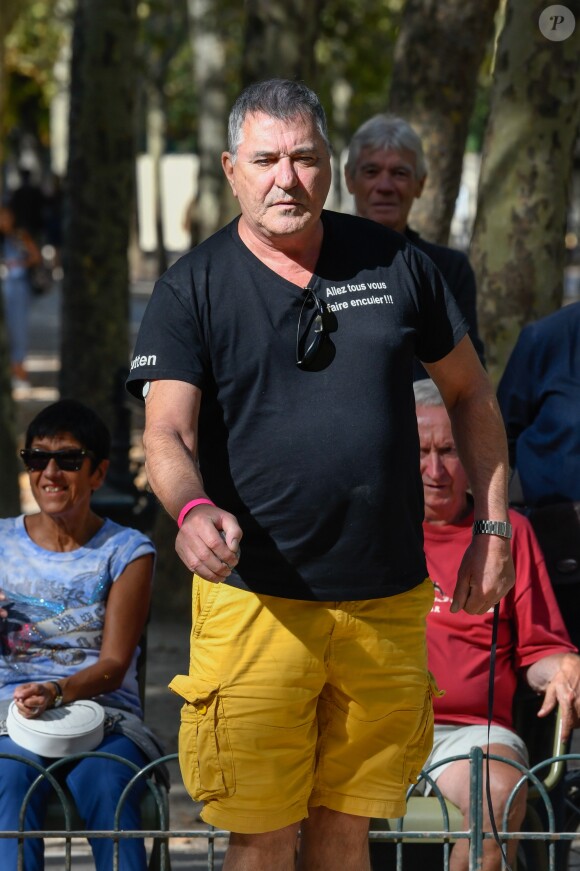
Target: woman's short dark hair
{"x": 73, "y": 417}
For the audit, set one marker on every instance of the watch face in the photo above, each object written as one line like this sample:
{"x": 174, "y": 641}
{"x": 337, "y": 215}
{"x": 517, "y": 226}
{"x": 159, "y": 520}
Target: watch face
{"x": 146, "y": 387}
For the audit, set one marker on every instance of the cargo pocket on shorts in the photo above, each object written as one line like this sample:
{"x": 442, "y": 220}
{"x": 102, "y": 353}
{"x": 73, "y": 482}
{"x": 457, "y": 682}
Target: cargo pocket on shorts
{"x": 205, "y": 755}
{"x": 421, "y": 744}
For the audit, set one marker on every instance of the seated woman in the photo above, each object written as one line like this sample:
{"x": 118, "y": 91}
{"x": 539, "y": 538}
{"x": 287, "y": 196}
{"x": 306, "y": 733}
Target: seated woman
{"x": 75, "y": 597}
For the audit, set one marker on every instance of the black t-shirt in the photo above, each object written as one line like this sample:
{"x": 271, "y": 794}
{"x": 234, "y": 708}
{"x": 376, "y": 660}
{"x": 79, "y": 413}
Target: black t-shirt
{"x": 320, "y": 468}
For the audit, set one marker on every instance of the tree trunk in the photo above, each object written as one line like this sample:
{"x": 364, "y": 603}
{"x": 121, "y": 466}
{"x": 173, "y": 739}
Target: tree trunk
{"x": 100, "y": 188}
{"x": 279, "y": 40}
{"x": 9, "y": 12}
{"x": 518, "y": 247}
{"x": 341, "y": 96}
{"x": 9, "y": 462}
{"x": 156, "y": 150}
{"x": 438, "y": 55}
{"x": 210, "y": 71}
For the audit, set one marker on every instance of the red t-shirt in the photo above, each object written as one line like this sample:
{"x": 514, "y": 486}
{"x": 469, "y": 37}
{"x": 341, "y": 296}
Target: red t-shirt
{"x": 530, "y": 626}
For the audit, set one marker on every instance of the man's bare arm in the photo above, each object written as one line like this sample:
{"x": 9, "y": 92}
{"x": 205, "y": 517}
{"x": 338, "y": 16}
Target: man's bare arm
{"x": 170, "y": 442}
{"x": 486, "y": 572}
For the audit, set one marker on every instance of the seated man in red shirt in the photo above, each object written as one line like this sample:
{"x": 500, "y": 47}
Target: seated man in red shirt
{"x": 532, "y": 638}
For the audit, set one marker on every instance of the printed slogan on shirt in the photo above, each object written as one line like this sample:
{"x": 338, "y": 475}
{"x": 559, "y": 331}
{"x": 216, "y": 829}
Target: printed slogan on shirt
{"x": 357, "y": 301}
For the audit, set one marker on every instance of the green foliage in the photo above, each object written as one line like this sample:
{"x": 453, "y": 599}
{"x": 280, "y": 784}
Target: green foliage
{"x": 37, "y": 37}
{"x": 164, "y": 66}
{"x": 165, "y": 61}
{"x": 479, "y": 116}
{"x": 162, "y": 27}
{"x": 32, "y": 48}
{"x": 356, "y": 43}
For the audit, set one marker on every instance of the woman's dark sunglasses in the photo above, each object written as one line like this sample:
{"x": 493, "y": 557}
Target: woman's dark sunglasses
{"x": 69, "y": 460}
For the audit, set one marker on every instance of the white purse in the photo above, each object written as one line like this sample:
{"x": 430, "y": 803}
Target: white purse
{"x": 74, "y": 728}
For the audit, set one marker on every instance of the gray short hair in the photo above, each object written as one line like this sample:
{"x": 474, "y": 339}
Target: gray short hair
{"x": 427, "y": 393}
{"x": 386, "y": 132}
{"x": 278, "y": 98}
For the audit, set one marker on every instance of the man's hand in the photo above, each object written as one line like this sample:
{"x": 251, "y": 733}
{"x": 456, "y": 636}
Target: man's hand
{"x": 564, "y": 690}
{"x": 208, "y": 542}
{"x": 485, "y": 575}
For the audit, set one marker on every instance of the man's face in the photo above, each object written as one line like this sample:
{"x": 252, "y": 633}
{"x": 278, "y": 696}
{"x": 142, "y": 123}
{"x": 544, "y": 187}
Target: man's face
{"x": 384, "y": 185}
{"x": 444, "y": 478}
{"x": 281, "y": 175}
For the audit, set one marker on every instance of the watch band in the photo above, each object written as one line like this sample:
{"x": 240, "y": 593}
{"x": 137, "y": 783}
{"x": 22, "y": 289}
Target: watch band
{"x": 503, "y": 528}
{"x": 58, "y": 697}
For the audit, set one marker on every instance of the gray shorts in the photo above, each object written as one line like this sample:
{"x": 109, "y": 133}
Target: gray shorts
{"x": 457, "y": 740}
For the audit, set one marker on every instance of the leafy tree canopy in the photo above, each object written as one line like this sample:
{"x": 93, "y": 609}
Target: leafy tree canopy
{"x": 32, "y": 47}
{"x": 356, "y": 44}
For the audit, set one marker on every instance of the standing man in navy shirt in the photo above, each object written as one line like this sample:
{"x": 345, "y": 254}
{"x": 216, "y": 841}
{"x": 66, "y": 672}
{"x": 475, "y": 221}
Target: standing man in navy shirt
{"x": 276, "y": 361}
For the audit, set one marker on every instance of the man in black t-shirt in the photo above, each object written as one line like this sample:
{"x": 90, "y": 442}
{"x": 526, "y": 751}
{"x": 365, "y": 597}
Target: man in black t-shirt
{"x": 385, "y": 172}
{"x": 276, "y": 363}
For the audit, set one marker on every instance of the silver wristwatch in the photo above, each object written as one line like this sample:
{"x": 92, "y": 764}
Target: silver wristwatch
{"x": 493, "y": 527}
{"x": 58, "y": 697}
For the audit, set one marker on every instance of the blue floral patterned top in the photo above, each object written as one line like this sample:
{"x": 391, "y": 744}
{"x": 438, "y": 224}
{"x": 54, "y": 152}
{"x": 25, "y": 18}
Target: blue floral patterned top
{"x": 56, "y": 606}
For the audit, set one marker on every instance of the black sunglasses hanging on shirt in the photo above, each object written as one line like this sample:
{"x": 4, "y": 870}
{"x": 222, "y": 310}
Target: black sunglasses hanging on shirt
{"x": 314, "y": 349}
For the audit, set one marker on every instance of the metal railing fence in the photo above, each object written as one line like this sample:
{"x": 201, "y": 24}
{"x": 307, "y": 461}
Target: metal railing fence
{"x": 157, "y": 827}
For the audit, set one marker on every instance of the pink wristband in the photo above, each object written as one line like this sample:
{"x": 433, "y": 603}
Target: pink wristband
{"x": 188, "y": 506}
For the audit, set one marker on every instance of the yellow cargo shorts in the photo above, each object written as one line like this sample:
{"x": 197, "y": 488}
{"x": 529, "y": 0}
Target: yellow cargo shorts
{"x": 291, "y": 704}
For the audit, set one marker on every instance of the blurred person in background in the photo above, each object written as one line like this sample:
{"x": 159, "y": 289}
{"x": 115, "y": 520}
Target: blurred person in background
{"x": 19, "y": 254}
{"x": 28, "y": 204}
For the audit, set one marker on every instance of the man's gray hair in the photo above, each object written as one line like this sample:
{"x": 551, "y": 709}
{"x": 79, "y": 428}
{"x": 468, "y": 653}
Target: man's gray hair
{"x": 386, "y": 132}
{"x": 278, "y": 98}
{"x": 427, "y": 393}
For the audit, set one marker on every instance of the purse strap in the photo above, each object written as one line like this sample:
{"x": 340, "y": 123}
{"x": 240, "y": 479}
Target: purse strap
{"x": 490, "y": 698}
